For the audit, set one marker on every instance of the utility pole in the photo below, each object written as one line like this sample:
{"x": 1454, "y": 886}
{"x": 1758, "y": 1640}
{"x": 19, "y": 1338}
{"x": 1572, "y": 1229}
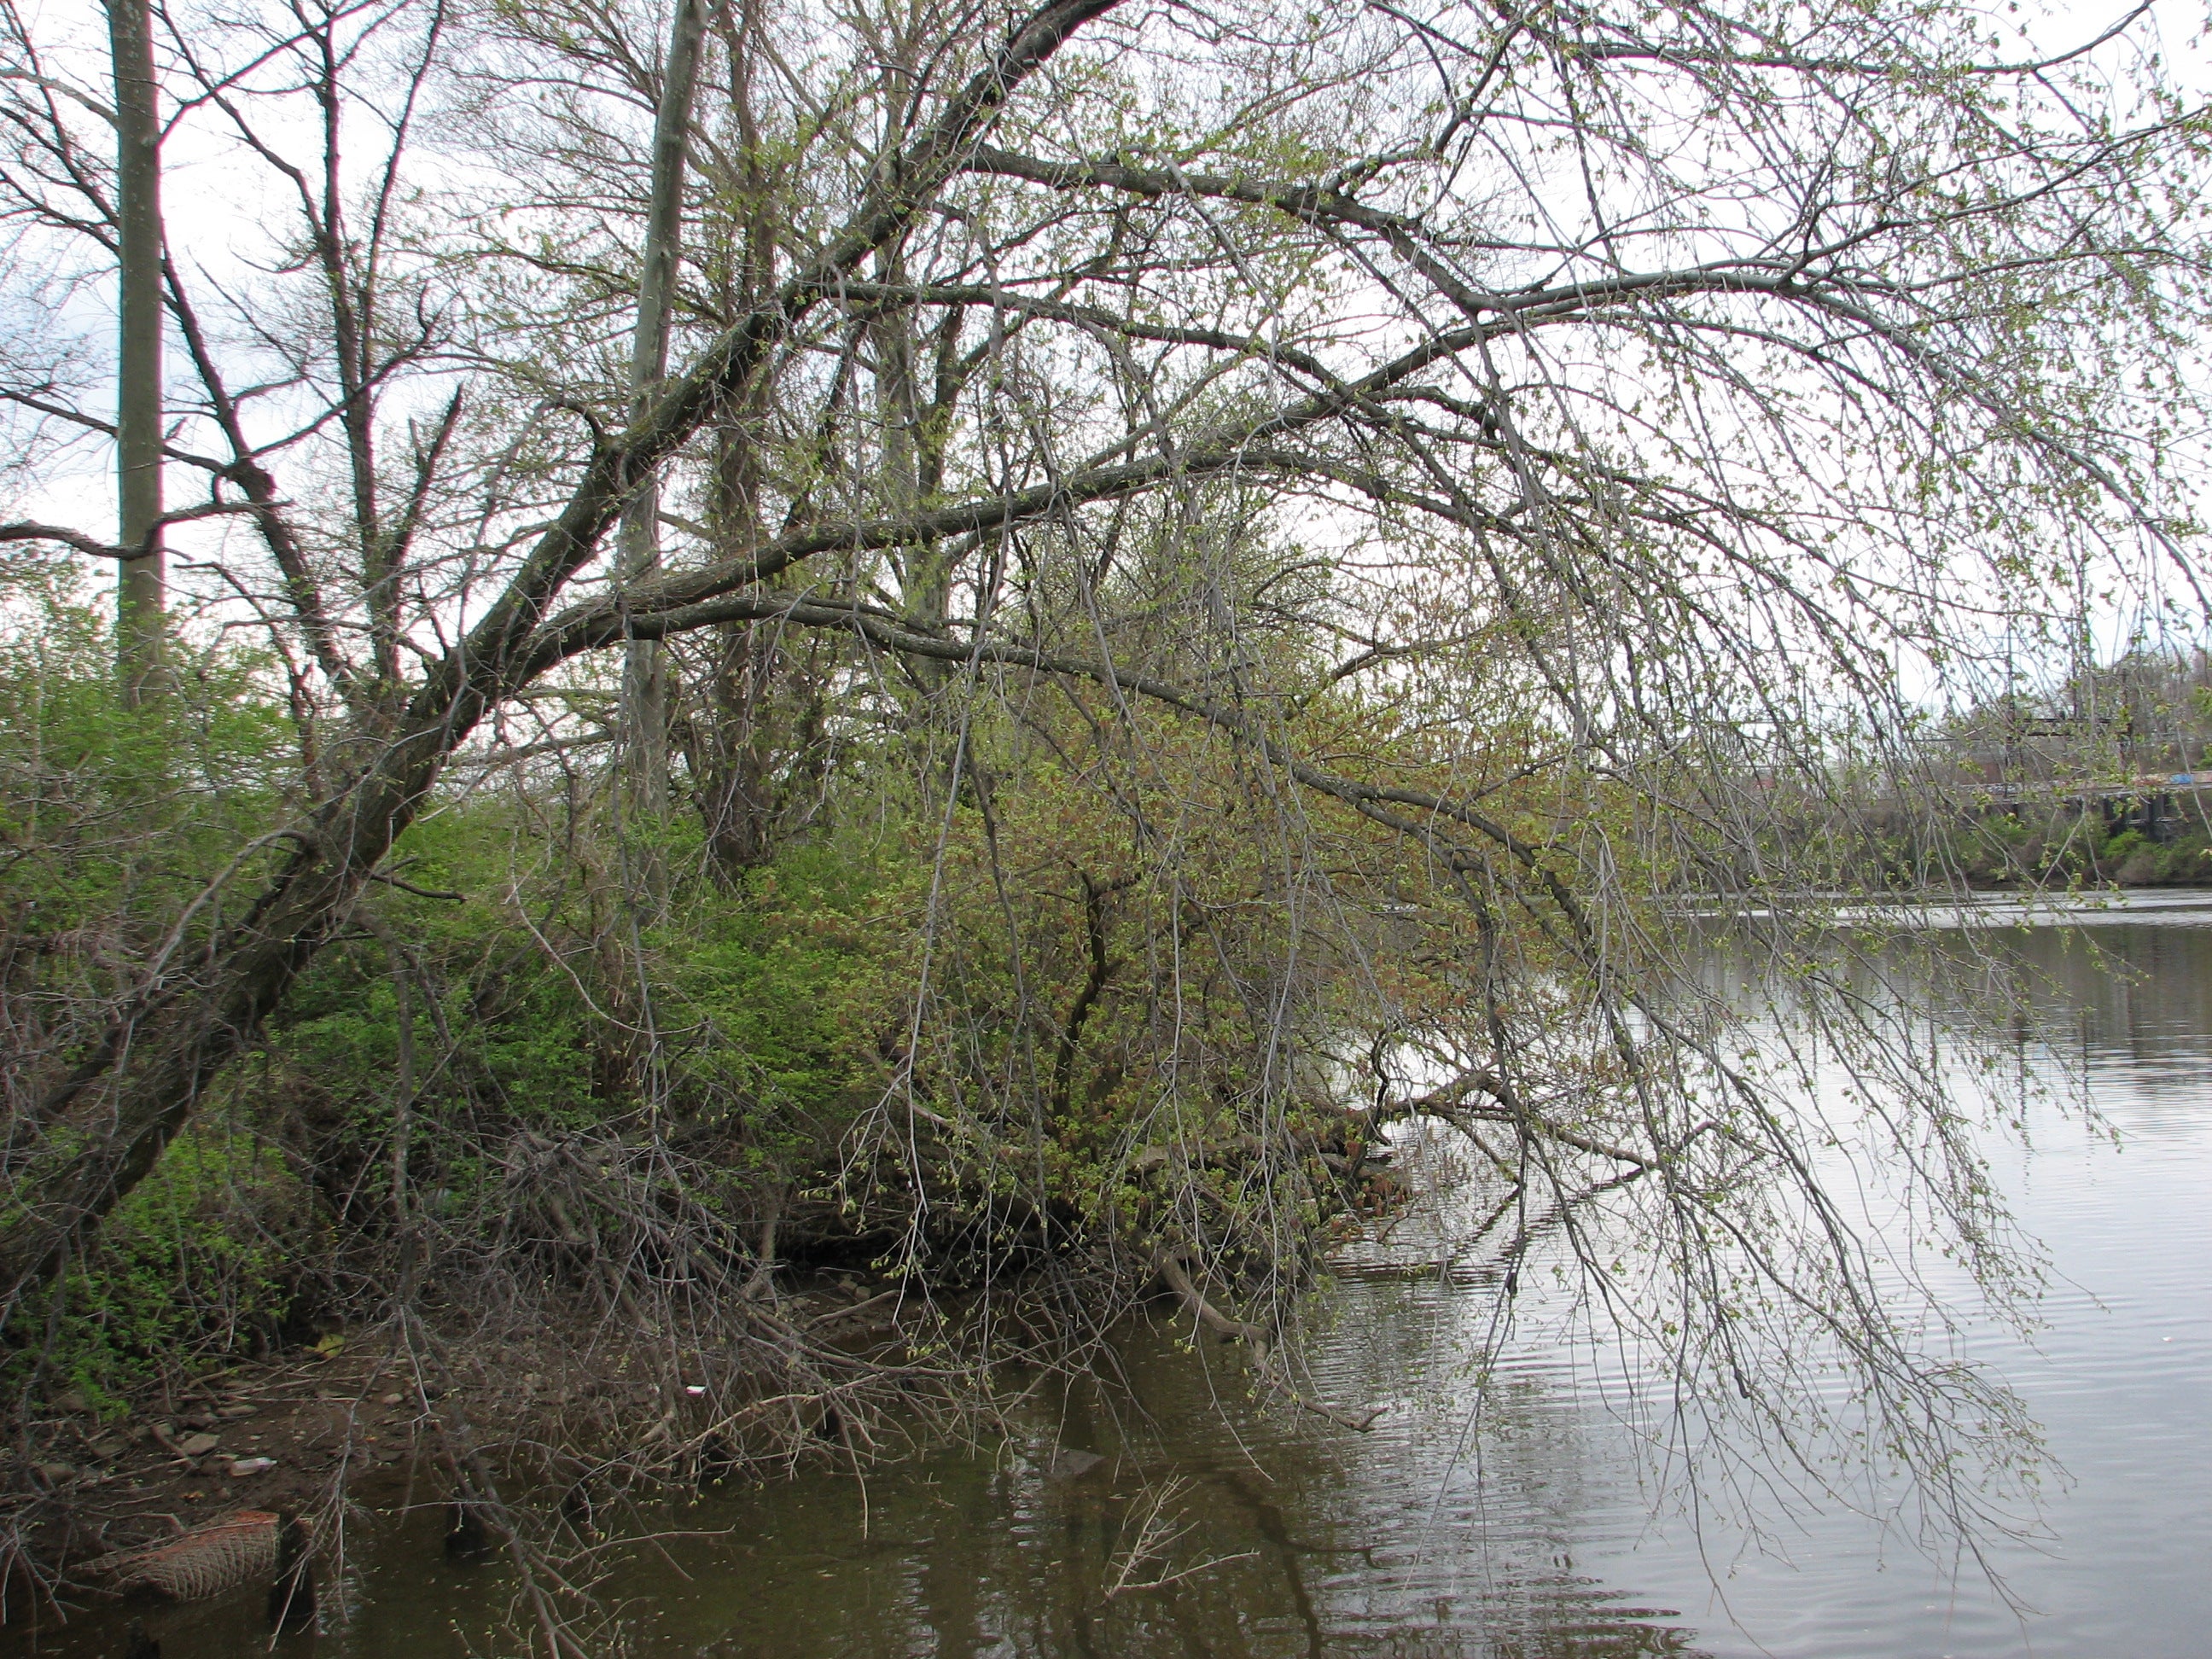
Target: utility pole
{"x": 141, "y": 620}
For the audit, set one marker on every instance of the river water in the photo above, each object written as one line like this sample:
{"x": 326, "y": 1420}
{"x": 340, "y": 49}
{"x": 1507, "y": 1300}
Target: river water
{"x": 1523, "y": 1515}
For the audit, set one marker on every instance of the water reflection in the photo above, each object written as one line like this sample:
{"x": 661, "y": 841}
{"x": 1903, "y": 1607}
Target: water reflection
{"x": 1266, "y": 1537}
{"x": 1516, "y": 1513}
{"x": 2115, "y": 1016}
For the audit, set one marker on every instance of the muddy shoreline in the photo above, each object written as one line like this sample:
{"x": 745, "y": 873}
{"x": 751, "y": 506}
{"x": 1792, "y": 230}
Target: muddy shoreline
{"x": 326, "y": 1432}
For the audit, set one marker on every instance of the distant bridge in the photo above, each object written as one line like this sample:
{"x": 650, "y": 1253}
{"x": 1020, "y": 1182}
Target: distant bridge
{"x": 2150, "y": 803}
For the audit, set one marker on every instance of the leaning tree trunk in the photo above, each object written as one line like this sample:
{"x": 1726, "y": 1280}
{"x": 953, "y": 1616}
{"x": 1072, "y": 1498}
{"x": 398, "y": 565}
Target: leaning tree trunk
{"x": 97, "y": 1132}
{"x": 140, "y": 596}
{"x": 100, "y": 1129}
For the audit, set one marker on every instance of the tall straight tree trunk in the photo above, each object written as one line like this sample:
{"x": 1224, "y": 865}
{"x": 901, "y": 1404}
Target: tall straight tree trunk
{"x": 645, "y": 685}
{"x": 140, "y": 598}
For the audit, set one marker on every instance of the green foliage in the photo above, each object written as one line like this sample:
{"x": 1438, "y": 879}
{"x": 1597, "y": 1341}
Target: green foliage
{"x": 111, "y": 816}
{"x": 749, "y": 1023}
{"x": 204, "y": 1260}
{"x": 782, "y": 986}
{"x": 2121, "y": 846}
{"x": 117, "y": 828}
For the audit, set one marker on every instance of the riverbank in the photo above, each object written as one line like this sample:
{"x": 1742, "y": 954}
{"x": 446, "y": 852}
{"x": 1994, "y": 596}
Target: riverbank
{"x": 2008, "y": 853}
{"x": 578, "y": 1414}
{"x": 1493, "y": 1508}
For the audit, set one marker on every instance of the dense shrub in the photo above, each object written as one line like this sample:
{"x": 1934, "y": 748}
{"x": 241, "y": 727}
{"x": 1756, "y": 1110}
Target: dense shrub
{"x": 208, "y": 1258}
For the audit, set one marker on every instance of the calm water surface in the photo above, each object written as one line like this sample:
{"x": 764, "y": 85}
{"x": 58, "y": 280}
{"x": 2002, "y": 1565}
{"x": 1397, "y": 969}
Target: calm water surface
{"x": 1533, "y": 1530}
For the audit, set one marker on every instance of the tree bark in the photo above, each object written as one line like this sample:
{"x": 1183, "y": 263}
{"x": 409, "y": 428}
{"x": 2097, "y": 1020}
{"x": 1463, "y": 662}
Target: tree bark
{"x": 645, "y": 687}
{"x": 142, "y": 585}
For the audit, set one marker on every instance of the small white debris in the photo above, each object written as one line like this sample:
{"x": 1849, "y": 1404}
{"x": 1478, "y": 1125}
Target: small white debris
{"x": 695, "y": 1390}
{"x": 242, "y": 1466}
